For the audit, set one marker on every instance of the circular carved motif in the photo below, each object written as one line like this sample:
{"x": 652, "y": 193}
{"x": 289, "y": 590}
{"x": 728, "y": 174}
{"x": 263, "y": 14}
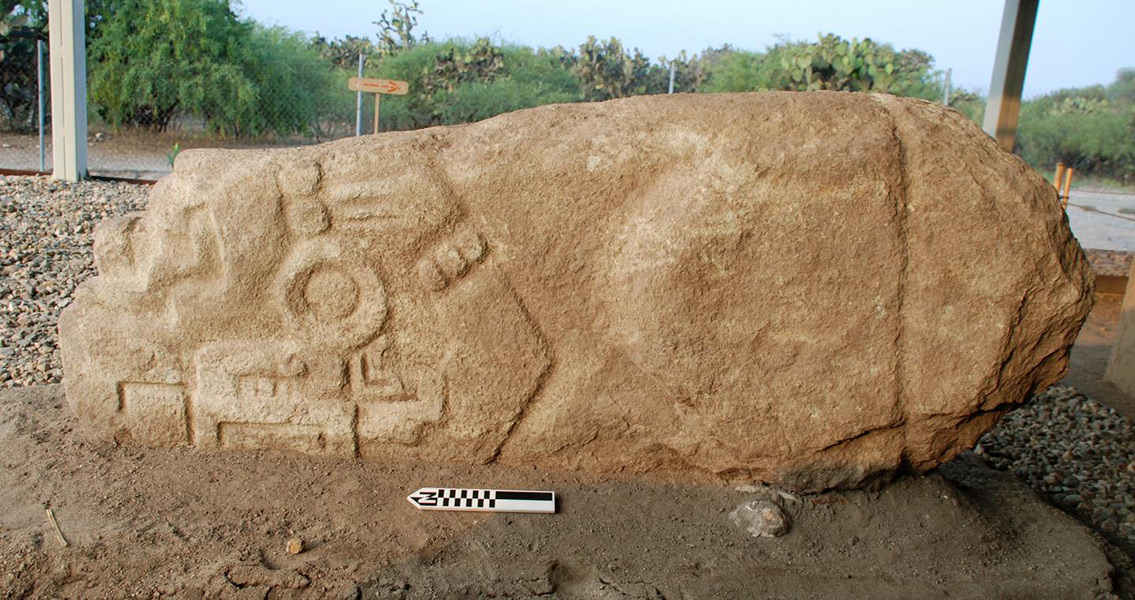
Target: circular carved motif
{"x": 329, "y": 296}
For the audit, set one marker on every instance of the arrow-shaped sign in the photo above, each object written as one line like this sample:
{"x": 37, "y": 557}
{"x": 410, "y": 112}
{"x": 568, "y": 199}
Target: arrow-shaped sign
{"x": 520, "y": 501}
{"x": 378, "y": 86}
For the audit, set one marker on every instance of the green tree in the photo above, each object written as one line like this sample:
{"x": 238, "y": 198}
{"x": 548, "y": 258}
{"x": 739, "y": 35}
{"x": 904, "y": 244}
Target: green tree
{"x": 606, "y": 71}
{"x": 458, "y": 81}
{"x": 343, "y": 53}
{"x": 733, "y": 70}
{"x": 22, "y": 23}
{"x": 1091, "y": 129}
{"x": 970, "y": 104}
{"x": 1122, "y": 90}
{"x": 690, "y": 72}
{"x": 396, "y": 28}
{"x": 296, "y": 90}
{"x": 528, "y": 78}
{"x": 159, "y": 58}
{"x": 830, "y": 63}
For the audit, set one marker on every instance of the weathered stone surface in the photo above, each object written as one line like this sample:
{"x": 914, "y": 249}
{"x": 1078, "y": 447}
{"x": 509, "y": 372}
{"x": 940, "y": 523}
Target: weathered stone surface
{"x": 805, "y": 289}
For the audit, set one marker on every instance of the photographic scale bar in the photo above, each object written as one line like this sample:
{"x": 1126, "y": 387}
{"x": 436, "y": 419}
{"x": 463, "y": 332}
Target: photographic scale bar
{"x": 463, "y": 499}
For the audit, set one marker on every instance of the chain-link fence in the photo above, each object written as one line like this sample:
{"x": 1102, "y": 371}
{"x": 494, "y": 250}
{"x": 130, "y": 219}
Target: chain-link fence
{"x": 158, "y": 84}
{"x": 284, "y": 101}
{"x": 149, "y": 153}
{"x": 147, "y": 150}
{"x": 25, "y": 88}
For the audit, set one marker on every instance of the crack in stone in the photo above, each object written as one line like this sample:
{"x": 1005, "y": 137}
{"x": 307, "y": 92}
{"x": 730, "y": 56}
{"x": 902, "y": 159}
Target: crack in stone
{"x": 901, "y": 197}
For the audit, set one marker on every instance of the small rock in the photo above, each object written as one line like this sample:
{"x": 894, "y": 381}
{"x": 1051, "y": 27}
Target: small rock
{"x": 295, "y": 546}
{"x": 761, "y": 518}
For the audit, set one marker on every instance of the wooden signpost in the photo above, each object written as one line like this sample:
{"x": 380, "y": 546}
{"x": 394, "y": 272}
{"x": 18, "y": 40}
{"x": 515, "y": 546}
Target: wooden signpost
{"x": 378, "y": 87}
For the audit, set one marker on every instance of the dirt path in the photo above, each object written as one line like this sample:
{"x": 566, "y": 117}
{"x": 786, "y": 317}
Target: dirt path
{"x": 131, "y": 155}
{"x": 181, "y": 523}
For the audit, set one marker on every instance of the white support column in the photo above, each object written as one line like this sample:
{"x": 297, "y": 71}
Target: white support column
{"x": 67, "y": 29}
{"x": 1121, "y": 367}
{"x": 1009, "y": 64}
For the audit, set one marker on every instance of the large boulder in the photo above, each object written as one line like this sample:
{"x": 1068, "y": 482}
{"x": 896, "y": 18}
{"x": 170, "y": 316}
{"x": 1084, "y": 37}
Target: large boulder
{"x": 808, "y": 289}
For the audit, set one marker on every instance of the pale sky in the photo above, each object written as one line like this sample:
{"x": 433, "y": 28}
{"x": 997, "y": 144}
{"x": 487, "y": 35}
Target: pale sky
{"x": 1076, "y": 42}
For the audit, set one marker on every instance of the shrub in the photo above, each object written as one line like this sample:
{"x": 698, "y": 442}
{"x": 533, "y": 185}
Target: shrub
{"x": 1091, "y": 129}
{"x": 830, "y": 63}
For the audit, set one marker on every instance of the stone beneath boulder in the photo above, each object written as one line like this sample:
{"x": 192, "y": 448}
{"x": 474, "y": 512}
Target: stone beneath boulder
{"x": 761, "y": 518}
{"x": 807, "y": 289}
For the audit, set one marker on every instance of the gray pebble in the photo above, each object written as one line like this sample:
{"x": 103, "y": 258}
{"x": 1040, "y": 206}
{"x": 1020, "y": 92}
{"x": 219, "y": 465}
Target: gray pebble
{"x": 761, "y": 518}
{"x": 45, "y": 250}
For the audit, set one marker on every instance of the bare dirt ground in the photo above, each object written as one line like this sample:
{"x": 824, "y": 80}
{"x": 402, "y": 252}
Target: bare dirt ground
{"x": 131, "y": 155}
{"x": 179, "y": 523}
{"x": 167, "y": 522}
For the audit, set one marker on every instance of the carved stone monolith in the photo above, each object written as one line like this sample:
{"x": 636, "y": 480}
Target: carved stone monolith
{"x": 809, "y": 289}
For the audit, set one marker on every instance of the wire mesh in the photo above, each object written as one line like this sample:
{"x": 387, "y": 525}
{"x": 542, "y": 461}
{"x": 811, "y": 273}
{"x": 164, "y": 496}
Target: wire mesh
{"x": 25, "y": 90}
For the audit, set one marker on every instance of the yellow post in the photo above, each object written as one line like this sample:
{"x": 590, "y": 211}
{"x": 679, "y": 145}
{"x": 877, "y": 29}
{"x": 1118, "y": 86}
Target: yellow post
{"x": 1067, "y": 184}
{"x": 1058, "y": 177}
{"x": 376, "y": 97}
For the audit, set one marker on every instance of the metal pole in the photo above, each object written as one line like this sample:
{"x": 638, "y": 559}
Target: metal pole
{"x": 671, "y": 78}
{"x": 376, "y": 97}
{"x": 946, "y": 93}
{"x": 359, "y": 103}
{"x": 1004, "y": 104}
{"x": 39, "y": 91}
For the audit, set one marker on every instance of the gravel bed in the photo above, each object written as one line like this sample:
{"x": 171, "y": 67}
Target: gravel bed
{"x": 1077, "y": 452}
{"x": 46, "y": 231}
{"x": 1109, "y": 263}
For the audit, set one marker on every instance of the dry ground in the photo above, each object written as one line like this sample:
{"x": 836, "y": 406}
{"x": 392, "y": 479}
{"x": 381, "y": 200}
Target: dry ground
{"x": 168, "y": 522}
{"x": 178, "y": 523}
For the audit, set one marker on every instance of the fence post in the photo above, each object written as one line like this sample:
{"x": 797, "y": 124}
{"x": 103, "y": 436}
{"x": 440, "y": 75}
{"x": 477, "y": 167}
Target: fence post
{"x": 671, "y": 78}
{"x": 68, "y": 53}
{"x": 359, "y": 103}
{"x": 946, "y": 92}
{"x": 39, "y": 96}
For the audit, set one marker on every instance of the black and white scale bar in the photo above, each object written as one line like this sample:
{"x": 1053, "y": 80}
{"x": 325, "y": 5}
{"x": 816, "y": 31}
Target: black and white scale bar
{"x": 518, "y": 501}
